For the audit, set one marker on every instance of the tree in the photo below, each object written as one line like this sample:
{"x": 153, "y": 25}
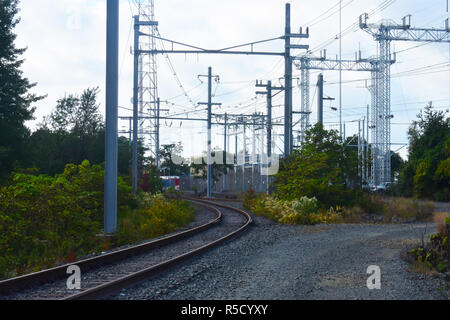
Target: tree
{"x": 397, "y": 164}
{"x": 172, "y": 162}
{"x": 426, "y": 173}
{"x": 75, "y": 132}
{"x": 77, "y": 114}
{"x": 323, "y": 167}
{"x": 15, "y": 99}
{"x": 199, "y": 165}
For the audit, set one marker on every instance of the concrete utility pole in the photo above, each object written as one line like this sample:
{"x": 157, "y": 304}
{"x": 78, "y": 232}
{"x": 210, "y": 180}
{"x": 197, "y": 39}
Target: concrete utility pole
{"x": 225, "y": 136}
{"x": 244, "y": 155}
{"x": 158, "y": 114}
{"x": 134, "y": 158}
{"x": 269, "y": 95}
{"x": 269, "y": 119}
{"x": 320, "y": 100}
{"x": 112, "y": 106}
{"x": 209, "y": 104}
{"x": 288, "y": 85}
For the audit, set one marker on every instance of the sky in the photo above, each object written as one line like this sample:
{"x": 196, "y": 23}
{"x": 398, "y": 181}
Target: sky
{"x": 66, "y": 45}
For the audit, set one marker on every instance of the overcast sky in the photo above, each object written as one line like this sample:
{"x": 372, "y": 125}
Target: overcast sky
{"x": 66, "y": 54}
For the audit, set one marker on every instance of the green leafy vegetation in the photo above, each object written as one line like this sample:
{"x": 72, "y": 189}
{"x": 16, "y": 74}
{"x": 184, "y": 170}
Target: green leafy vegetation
{"x": 436, "y": 255}
{"x": 427, "y": 172}
{"x": 47, "y": 220}
{"x": 15, "y": 98}
{"x": 309, "y": 211}
{"x": 319, "y": 183}
{"x": 323, "y": 168}
{"x": 303, "y": 211}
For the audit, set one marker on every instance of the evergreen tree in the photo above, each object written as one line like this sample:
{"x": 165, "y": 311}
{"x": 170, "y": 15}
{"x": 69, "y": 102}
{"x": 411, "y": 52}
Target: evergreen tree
{"x": 15, "y": 99}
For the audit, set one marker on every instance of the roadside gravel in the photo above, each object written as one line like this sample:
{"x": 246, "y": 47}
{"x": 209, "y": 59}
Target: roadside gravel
{"x": 273, "y": 261}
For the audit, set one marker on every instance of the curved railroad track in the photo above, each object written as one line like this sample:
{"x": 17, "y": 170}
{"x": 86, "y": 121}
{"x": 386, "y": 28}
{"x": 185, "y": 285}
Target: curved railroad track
{"x": 104, "y": 275}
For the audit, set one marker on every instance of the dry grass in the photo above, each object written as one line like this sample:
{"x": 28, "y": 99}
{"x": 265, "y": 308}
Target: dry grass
{"x": 421, "y": 268}
{"x": 441, "y": 225}
{"x": 404, "y": 208}
{"x": 353, "y": 214}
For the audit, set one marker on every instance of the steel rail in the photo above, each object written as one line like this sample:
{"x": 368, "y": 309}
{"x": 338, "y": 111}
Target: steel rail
{"x": 107, "y": 289}
{"x": 20, "y": 283}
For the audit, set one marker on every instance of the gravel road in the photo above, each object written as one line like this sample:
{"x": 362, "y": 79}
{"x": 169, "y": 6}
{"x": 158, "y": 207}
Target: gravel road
{"x": 273, "y": 261}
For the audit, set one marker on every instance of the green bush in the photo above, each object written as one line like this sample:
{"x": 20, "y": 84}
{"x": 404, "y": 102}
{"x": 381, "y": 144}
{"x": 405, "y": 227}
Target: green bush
{"x": 49, "y": 220}
{"x": 304, "y": 211}
{"x": 306, "y": 205}
{"x": 43, "y": 219}
{"x": 158, "y": 216}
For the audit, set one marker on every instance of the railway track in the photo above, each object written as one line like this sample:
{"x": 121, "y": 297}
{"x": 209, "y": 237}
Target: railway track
{"x": 105, "y": 275}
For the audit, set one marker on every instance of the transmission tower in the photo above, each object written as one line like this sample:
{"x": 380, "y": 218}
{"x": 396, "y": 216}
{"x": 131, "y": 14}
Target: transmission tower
{"x": 308, "y": 62}
{"x": 384, "y": 34}
{"x": 148, "y": 74}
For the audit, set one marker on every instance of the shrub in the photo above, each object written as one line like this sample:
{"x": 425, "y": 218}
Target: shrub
{"x": 158, "y": 216}
{"x": 437, "y": 254}
{"x": 43, "y": 219}
{"x": 49, "y": 220}
{"x": 306, "y": 205}
{"x": 403, "y": 208}
{"x": 304, "y": 211}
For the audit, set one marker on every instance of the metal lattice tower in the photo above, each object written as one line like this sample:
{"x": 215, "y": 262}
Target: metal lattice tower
{"x": 384, "y": 34}
{"x": 308, "y": 62}
{"x": 305, "y": 94}
{"x": 148, "y": 76}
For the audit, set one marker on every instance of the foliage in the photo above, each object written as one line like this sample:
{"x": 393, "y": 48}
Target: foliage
{"x": 15, "y": 99}
{"x": 306, "y": 205}
{"x": 73, "y": 132}
{"x": 437, "y": 254}
{"x": 200, "y": 169}
{"x": 404, "y": 209}
{"x": 158, "y": 216}
{"x": 303, "y": 211}
{"x": 151, "y": 181}
{"x": 323, "y": 168}
{"x": 395, "y": 209}
{"x": 172, "y": 162}
{"x": 47, "y": 220}
{"x": 427, "y": 173}
{"x": 77, "y": 114}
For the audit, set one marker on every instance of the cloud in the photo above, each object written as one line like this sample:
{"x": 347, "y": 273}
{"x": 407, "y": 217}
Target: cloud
{"x": 66, "y": 54}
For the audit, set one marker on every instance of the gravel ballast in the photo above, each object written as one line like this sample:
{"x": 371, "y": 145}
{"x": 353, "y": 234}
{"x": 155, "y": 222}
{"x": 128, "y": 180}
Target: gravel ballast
{"x": 273, "y": 261}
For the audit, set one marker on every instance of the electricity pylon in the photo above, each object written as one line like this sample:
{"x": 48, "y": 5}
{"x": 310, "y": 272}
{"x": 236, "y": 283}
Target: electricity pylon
{"x": 384, "y": 34}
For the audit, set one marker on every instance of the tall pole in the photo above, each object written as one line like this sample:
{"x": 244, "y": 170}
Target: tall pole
{"x": 320, "y": 100}
{"x": 158, "y": 111}
{"x": 340, "y": 67}
{"x": 245, "y": 155}
{"x": 112, "y": 106}
{"x": 269, "y": 119}
{"x": 134, "y": 160}
{"x": 363, "y": 149}
{"x": 209, "y": 130}
{"x": 225, "y": 136}
{"x": 235, "y": 156}
{"x": 367, "y": 146}
{"x": 130, "y": 137}
{"x": 288, "y": 85}
{"x": 253, "y": 150}
{"x": 359, "y": 148}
